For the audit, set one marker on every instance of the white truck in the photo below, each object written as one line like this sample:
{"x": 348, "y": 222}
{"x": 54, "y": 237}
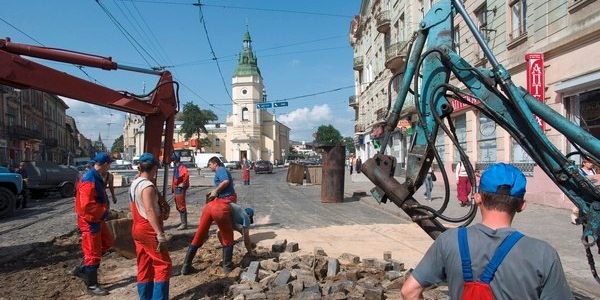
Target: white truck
{"x": 201, "y": 160}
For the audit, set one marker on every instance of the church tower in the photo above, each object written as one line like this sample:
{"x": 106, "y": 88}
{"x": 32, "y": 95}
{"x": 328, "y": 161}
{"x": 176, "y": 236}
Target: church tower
{"x": 252, "y": 133}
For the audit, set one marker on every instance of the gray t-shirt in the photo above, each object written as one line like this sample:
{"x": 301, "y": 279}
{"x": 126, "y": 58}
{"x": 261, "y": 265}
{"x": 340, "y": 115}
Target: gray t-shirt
{"x": 531, "y": 270}
{"x": 239, "y": 215}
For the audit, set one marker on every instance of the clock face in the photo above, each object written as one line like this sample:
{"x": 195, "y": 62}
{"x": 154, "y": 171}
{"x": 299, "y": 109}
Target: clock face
{"x": 244, "y": 91}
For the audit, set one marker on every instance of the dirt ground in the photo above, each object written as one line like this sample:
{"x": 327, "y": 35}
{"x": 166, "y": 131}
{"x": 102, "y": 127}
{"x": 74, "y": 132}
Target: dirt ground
{"x": 41, "y": 273}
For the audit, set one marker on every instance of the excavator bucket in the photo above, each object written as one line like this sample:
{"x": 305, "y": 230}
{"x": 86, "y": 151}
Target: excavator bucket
{"x": 122, "y": 239}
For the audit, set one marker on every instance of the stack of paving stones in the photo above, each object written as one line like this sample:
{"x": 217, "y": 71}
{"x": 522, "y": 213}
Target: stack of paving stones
{"x": 283, "y": 274}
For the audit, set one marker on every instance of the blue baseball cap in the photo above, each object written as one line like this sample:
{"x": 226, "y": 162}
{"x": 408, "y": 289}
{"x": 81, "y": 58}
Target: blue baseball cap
{"x": 147, "y": 157}
{"x": 102, "y": 158}
{"x": 249, "y": 211}
{"x": 501, "y": 178}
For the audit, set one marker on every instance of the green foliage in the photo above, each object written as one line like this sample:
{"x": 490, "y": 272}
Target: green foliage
{"x": 328, "y": 136}
{"x": 194, "y": 120}
{"x": 118, "y": 146}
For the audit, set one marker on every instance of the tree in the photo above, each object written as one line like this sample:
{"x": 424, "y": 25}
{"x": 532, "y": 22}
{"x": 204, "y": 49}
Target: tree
{"x": 328, "y": 136}
{"x": 194, "y": 120}
{"x": 117, "y": 146}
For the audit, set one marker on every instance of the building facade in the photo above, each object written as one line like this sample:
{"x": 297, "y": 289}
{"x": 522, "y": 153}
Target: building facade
{"x": 34, "y": 126}
{"x": 565, "y": 34}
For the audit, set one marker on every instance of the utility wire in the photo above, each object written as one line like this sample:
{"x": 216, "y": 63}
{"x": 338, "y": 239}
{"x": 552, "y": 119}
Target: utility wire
{"x": 212, "y": 50}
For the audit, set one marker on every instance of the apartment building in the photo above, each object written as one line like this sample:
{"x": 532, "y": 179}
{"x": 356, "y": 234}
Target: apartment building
{"x": 560, "y": 37}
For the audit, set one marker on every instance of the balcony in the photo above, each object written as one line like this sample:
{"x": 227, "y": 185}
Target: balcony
{"x": 359, "y": 128}
{"x": 383, "y": 21}
{"x": 21, "y": 132}
{"x": 395, "y": 56}
{"x": 358, "y": 63}
{"x": 381, "y": 113}
{"x": 352, "y": 101}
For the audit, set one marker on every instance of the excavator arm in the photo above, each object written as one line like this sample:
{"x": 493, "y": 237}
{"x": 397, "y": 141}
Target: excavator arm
{"x": 431, "y": 62}
{"x": 158, "y": 108}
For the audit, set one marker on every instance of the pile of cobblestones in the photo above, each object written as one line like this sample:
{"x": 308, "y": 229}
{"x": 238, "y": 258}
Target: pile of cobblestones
{"x": 287, "y": 275}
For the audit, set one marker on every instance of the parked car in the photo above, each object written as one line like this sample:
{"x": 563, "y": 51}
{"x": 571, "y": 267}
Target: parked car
{"x": 45, "y": 177}
{"x": 236, "y": 164}
{"x": 263, "y": 166}
{"x": 190, "y": 165}
{"x": 116, "y": 166}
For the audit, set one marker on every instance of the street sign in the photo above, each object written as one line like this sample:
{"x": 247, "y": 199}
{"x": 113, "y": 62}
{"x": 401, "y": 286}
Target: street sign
{"x": 264, "y": 105}
{"x": 280, "y": 104}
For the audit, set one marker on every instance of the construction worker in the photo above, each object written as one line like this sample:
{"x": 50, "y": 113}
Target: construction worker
{"x": 181, "y": 182}
{"x": 242, "y": 219}
{"x": 91, "y": 207}
{"x": 219, "y": 211}
{"x": 153, "y": 261}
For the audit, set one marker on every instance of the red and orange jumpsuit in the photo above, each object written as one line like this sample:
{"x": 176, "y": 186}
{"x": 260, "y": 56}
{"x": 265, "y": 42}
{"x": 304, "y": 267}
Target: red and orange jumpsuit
{"x": 91, "y": 207}
{"x": 180, "y": 175}
{"x": 154, "y": 267}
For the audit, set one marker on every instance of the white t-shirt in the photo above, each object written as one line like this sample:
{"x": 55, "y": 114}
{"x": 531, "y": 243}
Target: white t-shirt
{"x": 135, "y": 195}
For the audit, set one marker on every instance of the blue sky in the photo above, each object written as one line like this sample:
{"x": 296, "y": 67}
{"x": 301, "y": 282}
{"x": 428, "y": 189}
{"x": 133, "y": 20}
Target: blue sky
{"x": 302, "y": 49}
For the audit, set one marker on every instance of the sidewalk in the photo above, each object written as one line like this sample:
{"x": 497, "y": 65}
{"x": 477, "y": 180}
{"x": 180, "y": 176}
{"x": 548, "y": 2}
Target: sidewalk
{"x": 543, "y": 222}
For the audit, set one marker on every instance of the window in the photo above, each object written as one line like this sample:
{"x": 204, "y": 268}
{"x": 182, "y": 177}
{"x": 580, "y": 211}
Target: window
{"x": 439, "y": 144}
{"x": 518, "y": 22}
{"x": 481, "y": 19}
{"x": 217, "y": 142}
{"x": 518, "y": 153}
{"x": 486, "y": 140}
{"x": 456, "y": 40}
{"x": 245, "y": 114}
{"x": 401, "y": 29}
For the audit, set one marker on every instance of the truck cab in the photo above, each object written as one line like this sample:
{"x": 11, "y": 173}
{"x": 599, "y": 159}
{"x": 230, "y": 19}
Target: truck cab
{"x": 11, "y": 185}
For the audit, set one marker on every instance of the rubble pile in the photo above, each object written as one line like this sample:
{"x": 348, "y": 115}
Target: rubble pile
{"x": 281, "y": 273}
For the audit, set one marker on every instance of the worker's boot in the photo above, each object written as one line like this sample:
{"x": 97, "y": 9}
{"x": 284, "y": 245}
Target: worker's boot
{"x": 227, "y": 259}
{"x": 183, "y": 217}
{"x": 187, "y": 268}
{"x": 78, "y": 270}
{"x": 161, "y": 290}
{"x": 93, "y": 288}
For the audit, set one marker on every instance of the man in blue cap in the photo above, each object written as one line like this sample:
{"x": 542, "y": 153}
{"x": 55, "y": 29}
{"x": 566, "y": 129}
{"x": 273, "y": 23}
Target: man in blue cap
{"x": 531, "y": 269}
{"x": 92, "y": 209}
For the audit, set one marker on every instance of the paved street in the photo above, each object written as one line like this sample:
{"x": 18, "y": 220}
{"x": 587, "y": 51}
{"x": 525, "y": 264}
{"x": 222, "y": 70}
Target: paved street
{"x": 300, "y": 208}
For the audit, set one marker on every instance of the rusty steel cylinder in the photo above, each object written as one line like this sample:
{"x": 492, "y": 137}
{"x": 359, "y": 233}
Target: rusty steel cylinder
{"x": 332, "y": 186}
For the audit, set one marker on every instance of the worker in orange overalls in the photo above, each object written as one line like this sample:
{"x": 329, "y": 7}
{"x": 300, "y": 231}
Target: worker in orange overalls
{"x": 91, "y": 207}
{"x": 153, "y": 261}
{"x": 219, "y": 211}
{"x": 246, "y": 171}
{"x": 181, "y": 182}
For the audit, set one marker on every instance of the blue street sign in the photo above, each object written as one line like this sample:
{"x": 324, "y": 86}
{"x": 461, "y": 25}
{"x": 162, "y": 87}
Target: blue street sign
{"x": 264, "y": 105}
{"x": 280, "y": 104}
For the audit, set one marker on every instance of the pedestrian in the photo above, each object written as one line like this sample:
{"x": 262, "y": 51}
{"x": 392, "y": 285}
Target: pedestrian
{"x": 429, "y": 184}
{"x": 24, "y": 195}
{"x": 91, "y": 207}
{"x": 246, "y": 171}
{"x": 109, "y": 179}
{"x": 179, "y": 186}
{"x": 358, "y": 165}
{"x": 352, "y": 162}
{"x": 463, "y": 184}
{"x": 153, "y": 261}
{"x": 587, "y": 169}
{"x": 219, "y": 211}
{"x": 531, "y": 269}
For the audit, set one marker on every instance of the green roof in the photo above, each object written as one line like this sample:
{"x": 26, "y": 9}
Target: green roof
{"x": 247, "y": 61}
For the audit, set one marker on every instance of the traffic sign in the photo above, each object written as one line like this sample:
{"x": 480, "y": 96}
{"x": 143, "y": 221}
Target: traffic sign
{"x": 280, "y": 104}
{"x": 264, "y": 105}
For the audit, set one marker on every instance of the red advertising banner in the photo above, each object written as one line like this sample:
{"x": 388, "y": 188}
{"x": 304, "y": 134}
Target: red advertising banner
{"x": 535, "y": 79}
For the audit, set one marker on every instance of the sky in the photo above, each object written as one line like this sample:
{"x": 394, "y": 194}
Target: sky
{"x": 302, "y": 47}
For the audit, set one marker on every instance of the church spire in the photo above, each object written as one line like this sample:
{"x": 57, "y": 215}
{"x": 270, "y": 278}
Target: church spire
{"x": 247, "y": 61}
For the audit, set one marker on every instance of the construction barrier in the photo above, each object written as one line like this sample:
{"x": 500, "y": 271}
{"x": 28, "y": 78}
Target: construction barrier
{"x": 333, "y": 172}
{"x": 295, "y": 173}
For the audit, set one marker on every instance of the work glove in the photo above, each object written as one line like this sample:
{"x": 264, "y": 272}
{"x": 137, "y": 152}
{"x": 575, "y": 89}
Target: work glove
{"x": 181, "y": 185}
{"x": 213, "y": 193}
{"x": 163, "y": 242}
